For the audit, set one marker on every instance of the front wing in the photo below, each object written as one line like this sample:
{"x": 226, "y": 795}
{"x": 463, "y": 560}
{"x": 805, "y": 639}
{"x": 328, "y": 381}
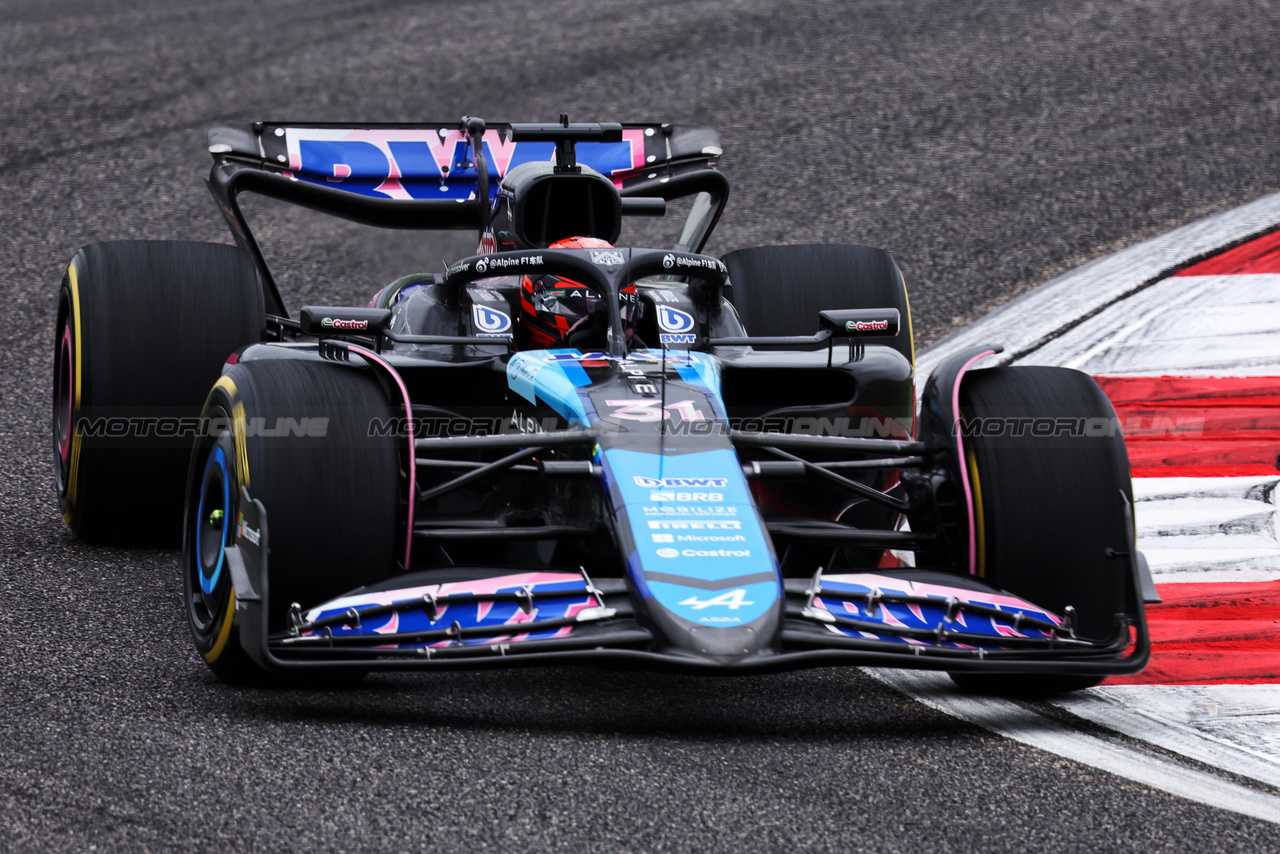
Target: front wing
{"x": 476, "y": 618}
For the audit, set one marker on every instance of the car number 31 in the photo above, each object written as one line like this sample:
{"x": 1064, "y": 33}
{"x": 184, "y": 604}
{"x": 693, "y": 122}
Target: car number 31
{"x": 652, "y": 410}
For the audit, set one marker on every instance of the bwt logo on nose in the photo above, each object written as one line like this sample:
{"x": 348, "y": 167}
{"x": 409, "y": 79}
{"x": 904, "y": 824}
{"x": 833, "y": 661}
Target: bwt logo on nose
{"x": 490, "y": 321}
{"x": 674, "y": 320}
{"x": 681, "y": 482}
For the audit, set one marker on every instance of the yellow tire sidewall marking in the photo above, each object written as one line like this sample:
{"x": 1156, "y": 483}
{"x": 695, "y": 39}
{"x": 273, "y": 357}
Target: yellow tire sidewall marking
{"x": 979, "y": 525}
{"x": 239, "y": 422}
{"x": 73, "y": 278}
{"x": 224, "y": 632}
{"x": 242, "y": 455}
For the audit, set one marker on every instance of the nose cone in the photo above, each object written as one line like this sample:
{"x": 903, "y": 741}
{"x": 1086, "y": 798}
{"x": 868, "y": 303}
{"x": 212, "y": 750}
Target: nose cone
{"x": 697, "y": 551}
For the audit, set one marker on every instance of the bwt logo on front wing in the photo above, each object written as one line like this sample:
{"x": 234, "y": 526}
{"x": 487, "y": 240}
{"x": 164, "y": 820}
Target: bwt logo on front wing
{"x": 682, "y": 482}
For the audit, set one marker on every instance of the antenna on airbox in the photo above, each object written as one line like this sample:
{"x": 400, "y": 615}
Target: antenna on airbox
{"x": 566, "y": 136}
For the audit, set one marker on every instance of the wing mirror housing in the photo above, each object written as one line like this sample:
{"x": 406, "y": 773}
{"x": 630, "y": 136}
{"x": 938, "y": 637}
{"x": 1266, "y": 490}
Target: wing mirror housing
{"x": 341, "y": 320}
{"x": 860, "y": 322}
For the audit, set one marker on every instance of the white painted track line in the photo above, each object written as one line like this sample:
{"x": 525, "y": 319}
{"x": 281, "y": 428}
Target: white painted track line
{"x": 1182, "y": 326}
{"x": 1031, "y": 321}
{"x": 1236, "y": 727}
{"x": 1019, "y": 723}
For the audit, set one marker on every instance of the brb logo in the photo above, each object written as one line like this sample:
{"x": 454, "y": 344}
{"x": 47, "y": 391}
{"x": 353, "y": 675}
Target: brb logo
{"x": 491, "y": 323}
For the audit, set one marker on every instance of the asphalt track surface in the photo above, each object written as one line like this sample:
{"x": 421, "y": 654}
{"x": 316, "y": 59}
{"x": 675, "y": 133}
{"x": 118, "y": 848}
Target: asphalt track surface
{"x": 988, "y": 146}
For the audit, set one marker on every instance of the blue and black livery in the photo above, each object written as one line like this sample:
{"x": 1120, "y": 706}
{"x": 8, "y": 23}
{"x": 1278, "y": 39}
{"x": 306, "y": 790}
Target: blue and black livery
{"x": 724, "y": 474}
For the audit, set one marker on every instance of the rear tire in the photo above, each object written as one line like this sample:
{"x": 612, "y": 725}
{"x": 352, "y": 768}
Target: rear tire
{"x": 1048, "y": 506}
{"x": 332, "y": 496}
{"x": 143, "y": 330}
{"x": 779, "y": 290}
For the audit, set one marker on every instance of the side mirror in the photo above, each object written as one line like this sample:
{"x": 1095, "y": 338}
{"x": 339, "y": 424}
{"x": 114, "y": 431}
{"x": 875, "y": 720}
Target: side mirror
{"x": 860, "y": 322}
{"x": 339, "y": 320}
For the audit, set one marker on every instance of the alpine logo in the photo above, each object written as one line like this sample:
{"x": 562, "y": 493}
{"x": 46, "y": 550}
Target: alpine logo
{"x": 674, "y": 320}
{"x": 681, "y": 482}
{"x": 733, "y": 600}
{"x": 607, "y": 257}
{"x": 491, "y": 322}
{"x": 338, "y": 323}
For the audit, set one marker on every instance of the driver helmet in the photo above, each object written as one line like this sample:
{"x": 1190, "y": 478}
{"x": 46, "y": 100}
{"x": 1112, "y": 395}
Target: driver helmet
{"x": 559, "y": 312}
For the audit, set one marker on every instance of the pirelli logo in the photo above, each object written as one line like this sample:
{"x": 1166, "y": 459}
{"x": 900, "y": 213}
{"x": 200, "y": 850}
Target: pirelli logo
{"x": 694, "y": 525}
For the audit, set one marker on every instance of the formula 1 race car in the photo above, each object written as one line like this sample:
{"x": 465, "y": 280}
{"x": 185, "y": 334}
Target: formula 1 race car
{"x": 563, "y": 450}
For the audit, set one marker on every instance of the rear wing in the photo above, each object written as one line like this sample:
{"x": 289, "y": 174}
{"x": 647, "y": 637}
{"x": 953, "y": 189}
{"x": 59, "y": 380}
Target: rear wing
{"x": 423, "y": 176}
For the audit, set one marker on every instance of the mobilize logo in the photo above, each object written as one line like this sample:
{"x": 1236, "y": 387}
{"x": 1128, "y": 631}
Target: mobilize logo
{"x": 338, "y": 323}
{"x": 867, "y": 325}
{"x": 681, "y": 482}
{"x": 491, "y": 322}
{"x": 690, "y": 510}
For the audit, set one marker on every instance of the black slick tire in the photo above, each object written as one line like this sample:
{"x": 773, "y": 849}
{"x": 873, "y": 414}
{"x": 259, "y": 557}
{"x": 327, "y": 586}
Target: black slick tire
{"x": 143, "y": 328}
{"x": 1048, "y": 499}
{"x": 296, "y": 434}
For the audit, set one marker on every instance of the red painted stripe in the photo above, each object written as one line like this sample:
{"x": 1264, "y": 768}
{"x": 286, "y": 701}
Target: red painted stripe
{"x": 1256, "y": 256}
{"x": 1192, "y": 391}
{"x": 1198, "y": 426}
{"x": 1213, "y": 634}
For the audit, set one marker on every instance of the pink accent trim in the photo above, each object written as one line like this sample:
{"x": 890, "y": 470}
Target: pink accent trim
{"x": 479, "y": 585}
{"x": 889, "y": 584}
{"x": 65, "y": 444}
{"x": 963, "y": 463}
{"x": 370, "y": 356}
{"x": 634, "y": 136}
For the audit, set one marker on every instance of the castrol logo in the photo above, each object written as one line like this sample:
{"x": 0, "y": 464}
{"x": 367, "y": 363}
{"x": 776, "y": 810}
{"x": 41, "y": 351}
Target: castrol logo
{"x": 867, "y": 326}
{"x": 338, "y": 323}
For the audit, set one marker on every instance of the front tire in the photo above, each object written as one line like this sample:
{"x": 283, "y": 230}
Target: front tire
{"x": 296, "y": 434}
{"x": 1047, "y": 476}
